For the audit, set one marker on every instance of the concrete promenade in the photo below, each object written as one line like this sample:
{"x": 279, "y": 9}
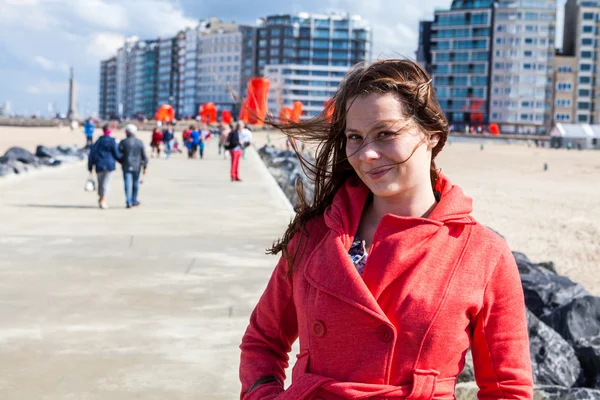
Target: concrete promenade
{"x": 146, "y": 303}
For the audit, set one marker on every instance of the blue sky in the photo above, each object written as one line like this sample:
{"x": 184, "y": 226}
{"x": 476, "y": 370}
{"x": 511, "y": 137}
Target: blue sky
{"x": 40, "y": 39}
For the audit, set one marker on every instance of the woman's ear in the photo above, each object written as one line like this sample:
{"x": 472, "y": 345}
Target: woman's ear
{"x": 434, "y": 140}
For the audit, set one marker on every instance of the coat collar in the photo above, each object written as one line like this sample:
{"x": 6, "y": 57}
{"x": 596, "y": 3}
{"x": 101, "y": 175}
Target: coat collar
{"x": 330, "y": 268}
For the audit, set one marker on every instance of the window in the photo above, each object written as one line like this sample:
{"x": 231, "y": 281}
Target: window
{"x": 564, "y": 86}
{"x": 585, "y": 67}
{"x": 588, "y": 29}
{"x": 585, "y": 80}
{"x": 587, "y": 42}
{"x": 564, "y": 69}
{"x": 588, "y": 16}
{"x": 562, "y": 117}
{"x": 528, "y": 53}
{"x": 582, "y": 118}
{"x": 583, "y": 105}
{"x": 563, "y": 103}
{"x": 586, "y": 54}
{"x": 584, "y": 92}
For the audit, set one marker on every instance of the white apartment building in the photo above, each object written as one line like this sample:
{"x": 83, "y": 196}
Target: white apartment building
{"x": 522, "y": 66}
{"x": 313, "y": 85}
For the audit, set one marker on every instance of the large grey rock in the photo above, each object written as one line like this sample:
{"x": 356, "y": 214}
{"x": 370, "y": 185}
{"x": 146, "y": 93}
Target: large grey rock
{"x": 527, "y": 267}
{"x": 562, "y": 393}
{"x": 47, "y": 152}
{"x": 466, "y": 391}
{"x": 577, "y": 320}
{"x": 588, "y": 352}
{"x": 545, "y": 291}
{"x": 18, "y": 167}
{"x": 6, "y": 170}
{"x": 553, "y": 360}
{"x": 22, "y": 155}
{"x": 467, "y": 374}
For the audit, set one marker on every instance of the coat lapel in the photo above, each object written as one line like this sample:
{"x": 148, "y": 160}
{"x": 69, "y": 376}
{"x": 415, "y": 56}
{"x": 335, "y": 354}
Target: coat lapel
{"x": 331, "y": 270}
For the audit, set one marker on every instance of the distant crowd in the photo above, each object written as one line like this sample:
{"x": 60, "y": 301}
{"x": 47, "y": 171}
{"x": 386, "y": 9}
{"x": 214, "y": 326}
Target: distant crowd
{"x": 105, "y": 153}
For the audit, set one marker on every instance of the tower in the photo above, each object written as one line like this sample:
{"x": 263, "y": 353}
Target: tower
{"x": 72, "y": 114}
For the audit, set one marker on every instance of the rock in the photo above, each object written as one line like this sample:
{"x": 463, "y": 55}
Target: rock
{"x": 50, "y": 162}
{"x": 577, "y": 320}
{"x": 528, "y": 267}
{"x": 466, "y": 391}
{"x": 18, "y": 167}
{"x": 562, "y": 393}
{"x": 6, "y": 170}
{"x": 47, "y": 152}
{"x": 553, "y": 360}
{"x": 22, "y": 155}
{"x": 467, "y": 374}
{"x": 545, "y": 291}
{"x": 588, "y": 352}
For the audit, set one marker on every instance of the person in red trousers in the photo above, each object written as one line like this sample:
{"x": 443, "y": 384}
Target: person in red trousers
{"x": 385, "y": 277}
{"x": 235, "y": 149}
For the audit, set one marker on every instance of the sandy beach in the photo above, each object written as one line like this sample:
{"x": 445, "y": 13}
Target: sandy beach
{"x": 551, "y": 215}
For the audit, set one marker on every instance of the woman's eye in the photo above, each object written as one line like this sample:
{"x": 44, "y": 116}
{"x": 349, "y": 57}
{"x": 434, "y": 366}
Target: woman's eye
{"x": 354, "y": 137}
{"x": 385, "y": 134}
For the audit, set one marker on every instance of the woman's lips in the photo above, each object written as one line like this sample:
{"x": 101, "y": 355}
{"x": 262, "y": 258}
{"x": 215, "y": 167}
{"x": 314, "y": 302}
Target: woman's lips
{"x": 378, "y": 173}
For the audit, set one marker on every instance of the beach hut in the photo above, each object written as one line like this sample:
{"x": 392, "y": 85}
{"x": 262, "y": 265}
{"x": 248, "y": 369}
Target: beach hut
{"x": 575, "y": 136}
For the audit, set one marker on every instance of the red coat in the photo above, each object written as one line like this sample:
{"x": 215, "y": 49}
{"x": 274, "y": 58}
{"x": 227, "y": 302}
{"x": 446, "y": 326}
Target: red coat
{"x": 432, "y": 287}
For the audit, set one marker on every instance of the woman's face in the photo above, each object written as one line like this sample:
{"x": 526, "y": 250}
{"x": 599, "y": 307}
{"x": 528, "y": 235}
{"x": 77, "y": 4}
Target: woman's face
{"x": 380, "y": 140}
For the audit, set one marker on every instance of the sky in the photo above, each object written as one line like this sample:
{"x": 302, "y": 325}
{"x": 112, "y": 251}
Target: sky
{"x": 41, "y": 39}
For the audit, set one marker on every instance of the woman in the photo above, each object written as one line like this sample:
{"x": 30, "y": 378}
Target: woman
{"x": 224, "y": 130}
{"x": 235, "y": 150}
{"x": 386, "y": 277}
{"x": 186, "y": 139}
{"x": 157, "y": 138}
{"x": 103, "y": 157}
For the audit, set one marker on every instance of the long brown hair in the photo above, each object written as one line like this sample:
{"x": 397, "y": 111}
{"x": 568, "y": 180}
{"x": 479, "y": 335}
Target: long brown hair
{"x": 402, "y": 77}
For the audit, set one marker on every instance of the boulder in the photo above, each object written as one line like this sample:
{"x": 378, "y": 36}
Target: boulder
{"x": 588, "y": 352}
{"x": 553, "y": 360}
{"x": 466, "y": 391}
{"x": 545, "y": 291}
{"x": 467, "y": 374}
{"x": 6, "y": 170}
{"x": 47, "y": 152}
{"x": 22, "y": 155}
{"x": 18, "y": 167}
{"x": 577, "y": 320}
{"x": 528, "y": 267}
{"x": 50, "y": 162}
{"x": 562, "y": 393}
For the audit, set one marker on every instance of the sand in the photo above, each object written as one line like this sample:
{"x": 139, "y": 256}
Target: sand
{"x": 551, "y": 215}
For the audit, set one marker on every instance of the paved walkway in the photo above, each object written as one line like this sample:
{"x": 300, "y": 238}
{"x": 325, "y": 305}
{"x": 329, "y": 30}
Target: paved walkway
{"x": 147, "y": 303}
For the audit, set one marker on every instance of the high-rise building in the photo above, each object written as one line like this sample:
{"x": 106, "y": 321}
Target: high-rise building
{"x": 169, "y": 71}
{"x": 522, "y": 63}
{"x": 461, "y": 46}
{"x": 424, "y": 49}
{"x": 580, "y": 40}
{"x": 565, "y": 97}
{"x": 319, "y": 46}
{"x": 108, "y": 107}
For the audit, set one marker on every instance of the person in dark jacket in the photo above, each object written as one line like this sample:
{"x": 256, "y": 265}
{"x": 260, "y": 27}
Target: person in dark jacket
{"x": 103, "y": 157}
{"x": 134, "y": 161}
{"x": 168, "y": 136}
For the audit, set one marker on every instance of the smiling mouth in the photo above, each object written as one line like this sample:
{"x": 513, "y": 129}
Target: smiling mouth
{"x": 378, "y": 173}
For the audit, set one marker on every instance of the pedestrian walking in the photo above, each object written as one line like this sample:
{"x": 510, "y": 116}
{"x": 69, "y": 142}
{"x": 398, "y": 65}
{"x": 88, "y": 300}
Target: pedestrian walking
{"x": 88, "y": 130}
{"x": 235, "y": 150}
{"x": 245, "y": 138}
{"x": 156, "y": 141}
{"x": 385, "y": 276}
{"x": 134, "y": 162}
{"x": 185, "y": 136}
{"x": 168, "y": 136}
{"x": 194, "y": 142}
{"x": 103, "y": 157}
{"x": 224, "y": 130}
{"x": 203, "y": 139}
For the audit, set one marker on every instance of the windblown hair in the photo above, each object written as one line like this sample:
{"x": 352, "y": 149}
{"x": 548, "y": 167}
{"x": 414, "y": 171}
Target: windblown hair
{"x": 411, "y": 85}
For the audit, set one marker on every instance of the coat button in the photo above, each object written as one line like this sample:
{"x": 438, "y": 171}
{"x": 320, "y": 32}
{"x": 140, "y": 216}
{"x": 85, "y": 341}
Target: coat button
{"x": 318, "y": 329}
{"x": 385, "y": 334}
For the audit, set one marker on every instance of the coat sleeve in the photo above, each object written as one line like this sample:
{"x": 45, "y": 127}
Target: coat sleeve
{"x": 500, "y": 343}
{"x": 115, "y": 150}
{"x": 144, "y": 156}
{"x": 269, "y": 337}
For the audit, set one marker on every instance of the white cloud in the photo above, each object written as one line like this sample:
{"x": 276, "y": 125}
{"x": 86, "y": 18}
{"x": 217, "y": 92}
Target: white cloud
{"x": 50, "y": 65}
{"x": 103, "y": 45}
{"x": 101, "y": 14}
